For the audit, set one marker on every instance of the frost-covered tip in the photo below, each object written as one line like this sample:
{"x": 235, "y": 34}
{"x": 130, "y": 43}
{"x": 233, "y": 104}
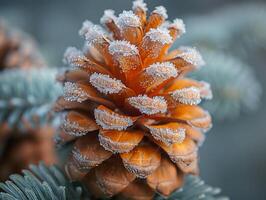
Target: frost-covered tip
{"x": 179, "y": 25}
{"x": 162, "y": 133}
{"x": 205, "y": 90}
{"x": 161, "y": 10}
{"x": 82, "y": 161}
{"x": 91, "y": 32}
{"x": 72, "y": 55}
{"x": 108, "y": 16}
{"x": 111, "y": 121}
{"x": 148, "y": 105}
{"x": 127, "y": 19}
{"x": 139, "y": 4}
{"x": 105, "y": 84}
{"x": 124, "y": 48}
{"x": 72, "y": 128}
{"x": 192, "y": 56}
{"x": 189, "y": 95}
{"x": 163, "y": 70}
{"x": 160, "y": 35}
{"x": 74, "y": 93}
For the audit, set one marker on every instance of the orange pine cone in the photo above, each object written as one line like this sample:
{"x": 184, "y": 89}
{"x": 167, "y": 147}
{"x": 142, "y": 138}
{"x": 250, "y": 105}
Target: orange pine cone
{"x": 17, "y": 50}
{"x": 133, "y": 117}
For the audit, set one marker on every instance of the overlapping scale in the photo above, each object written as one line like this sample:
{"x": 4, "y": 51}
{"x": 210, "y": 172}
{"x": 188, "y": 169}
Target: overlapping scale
{"x": 134, "y": 119}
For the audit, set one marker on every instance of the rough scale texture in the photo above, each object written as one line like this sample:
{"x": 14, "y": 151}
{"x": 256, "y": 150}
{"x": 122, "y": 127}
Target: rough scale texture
{"x": 129, "y": 111}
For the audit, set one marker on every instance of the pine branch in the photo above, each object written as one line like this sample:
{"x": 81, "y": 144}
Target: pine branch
{"x": 27, "y": 97}
{"x": 234, "y": 85}
{"x": 224, "y": 28}
{"x": 40, "y": 183}
{"x": 194, "y": 189}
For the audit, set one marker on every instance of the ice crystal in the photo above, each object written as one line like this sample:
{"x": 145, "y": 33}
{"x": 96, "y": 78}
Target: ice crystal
{"x": 148, "y": 105}
{"x": 92, "y": 33}
{"x": 161, "y": 10}
{"x": 122, "y": 47}
{"x": 139, "y": 4}
{"x": 106, "y": 84}
{"x": 72, "y": 56}
{"x": 82, "y": 161}
{"x": 189, "y": 95}
{"x": 128, "y": 19}
{"x": 163, "y": 70}
{"x": 179, "y": 25}
{"x": 158, "y": 133}
{"x": 108, "y": 16}
{"x": 160, "y": 35}
{"x": 111, "y": 121}
{"x": 74, "y": 93}
{"x": 72, "y": 128}
{"x": 192, "y": 56}
{"x": 205, "y": 91}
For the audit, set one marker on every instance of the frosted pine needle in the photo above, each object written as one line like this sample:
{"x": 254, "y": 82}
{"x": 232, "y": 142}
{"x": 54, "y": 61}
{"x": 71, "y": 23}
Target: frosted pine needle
{"x": 148, "y": 105}
{"x": 111, "y": 121}
{"x": 163, "y": 70}
{"x": 139, "y": 4}
{"x": 161, "y": 10}
{"x": 105, "y": 84}
{"x": 128, "y": 19}
{"x": 72, "y": 56}
{"x": 160, "y": 35}
{"x": 73, "y": 93}
{"x": 124, "y": 48}
{"x": 190, "y": 95}
{"x": 108, "y": 16}
{"x": 192, "y": 56}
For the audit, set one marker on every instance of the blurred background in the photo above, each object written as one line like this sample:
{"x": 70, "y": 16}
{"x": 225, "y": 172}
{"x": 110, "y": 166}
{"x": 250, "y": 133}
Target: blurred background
{"x": 231, "y": 35}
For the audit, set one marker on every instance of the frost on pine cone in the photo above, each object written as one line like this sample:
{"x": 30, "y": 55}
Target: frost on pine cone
{"x": 17, "y": 49}
{"x": 133, "y": 117}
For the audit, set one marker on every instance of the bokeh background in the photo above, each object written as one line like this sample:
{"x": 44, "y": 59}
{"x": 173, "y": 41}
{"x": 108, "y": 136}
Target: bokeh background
{"x": 233, "y": 156}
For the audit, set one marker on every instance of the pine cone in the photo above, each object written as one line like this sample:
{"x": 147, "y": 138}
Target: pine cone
{"x": 21, "y": 150}
{"x": 132, "y": 115}
{"x": 17, "y": 49}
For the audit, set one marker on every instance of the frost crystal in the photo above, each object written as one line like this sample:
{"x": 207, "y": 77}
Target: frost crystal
{"x": 139, "y": 4}
{"x": 148, "y": 105}
{"x": 72, "y": 128}
{"x": 206, "y": 91}
{"x": 92, "y": 33}
{"x": 111, "y": 121}
{"x": 126, "y": 19}
{"x": 192, "y": 56}
{"x": 108, "y": 16}
{"x": 82, "y": 161}
{"x": 190, "y": 95}
{"x": 72, "y": 55}
{"x": 160, "y": 10}
{"x": 179, "y": 25}
{"x": 105, "y": 84}
{"x": 160, "y": 35}
{"x": 73, "y": 93}
{"x": 163, "y": 70}
{"x": 124, "y": 48}
{"x": 162, "y": 133}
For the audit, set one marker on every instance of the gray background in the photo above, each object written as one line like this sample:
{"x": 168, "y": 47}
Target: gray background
{"x": 234, "y": 154}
